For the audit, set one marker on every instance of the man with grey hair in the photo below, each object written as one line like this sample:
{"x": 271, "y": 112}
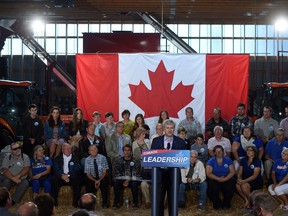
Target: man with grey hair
{"x": 67, "y": 171}
{"x": 15, "y": 168}
{"x": 218, "y": 139}
{"x": 28, "y": 209}
{"x": 168, "y": 141}
{"x": 193, "y": 177}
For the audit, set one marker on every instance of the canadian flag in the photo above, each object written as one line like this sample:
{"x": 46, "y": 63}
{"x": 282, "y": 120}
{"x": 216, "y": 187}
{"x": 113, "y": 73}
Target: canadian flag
{"x": 149, "y": 83}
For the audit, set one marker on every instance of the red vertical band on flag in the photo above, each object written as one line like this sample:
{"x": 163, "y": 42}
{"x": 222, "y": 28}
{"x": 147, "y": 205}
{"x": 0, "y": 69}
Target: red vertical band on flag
{"x": 226, "y": 83}
{"x": 97, "y": 84}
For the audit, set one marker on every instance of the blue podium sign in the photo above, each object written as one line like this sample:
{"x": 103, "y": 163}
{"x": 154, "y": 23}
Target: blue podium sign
{"x": 166, "y": 158}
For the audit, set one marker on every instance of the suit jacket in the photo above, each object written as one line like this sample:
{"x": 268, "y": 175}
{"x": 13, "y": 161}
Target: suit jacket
{"x": 112, "y": 145}
{"x": 84, "y": 144}
{"x": 178, "y": 143}
{"x": 74, "y": 167}
{"x": 165, "y": 175}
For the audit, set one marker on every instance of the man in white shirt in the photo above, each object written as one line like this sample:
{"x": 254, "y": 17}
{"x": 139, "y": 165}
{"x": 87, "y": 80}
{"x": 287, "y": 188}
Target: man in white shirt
{"x": 218, "y": 139}
{"x": 67, "y": 171}
{"x": 193, "y": 177}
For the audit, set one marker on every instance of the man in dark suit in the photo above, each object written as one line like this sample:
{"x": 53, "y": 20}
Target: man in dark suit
{"x": 169, "y": 142}
{"x": 67, "y": 171}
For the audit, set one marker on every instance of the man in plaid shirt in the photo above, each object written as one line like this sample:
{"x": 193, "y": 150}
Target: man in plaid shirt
{"x": 96, "y": 167}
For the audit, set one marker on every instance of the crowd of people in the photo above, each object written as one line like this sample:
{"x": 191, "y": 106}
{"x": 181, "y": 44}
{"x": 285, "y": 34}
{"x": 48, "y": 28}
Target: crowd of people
{"x": 230, "y": 156}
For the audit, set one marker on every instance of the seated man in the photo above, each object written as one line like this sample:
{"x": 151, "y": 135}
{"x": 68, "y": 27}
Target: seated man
{"x": 218, "y": 139}
{"x": 217, "y": 120}
{"x": 67, "y": 171}
{"x": 273, "y": 152}
{"x": 90, "y": 139}
{"x": 96, "y": 167}
{"x": 193, "y": 178}
{"x": 15, "y": 168}
{"x": 114, "y": 144}
{"x": 265, "y": 127}
{"x": 239, "y": 121}
{"x": 128, "y": 167}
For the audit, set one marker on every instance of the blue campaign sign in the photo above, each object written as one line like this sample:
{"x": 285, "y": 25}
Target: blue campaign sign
{"x": 166, "y": 158}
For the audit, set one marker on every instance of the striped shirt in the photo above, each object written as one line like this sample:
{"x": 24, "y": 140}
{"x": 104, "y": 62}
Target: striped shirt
{"x": 101, "y": 163}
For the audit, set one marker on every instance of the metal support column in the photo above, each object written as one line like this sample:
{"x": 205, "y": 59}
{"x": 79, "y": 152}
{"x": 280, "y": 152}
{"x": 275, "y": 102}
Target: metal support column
{"x": 23, "y": 31}
{"x": 167, "y": 33}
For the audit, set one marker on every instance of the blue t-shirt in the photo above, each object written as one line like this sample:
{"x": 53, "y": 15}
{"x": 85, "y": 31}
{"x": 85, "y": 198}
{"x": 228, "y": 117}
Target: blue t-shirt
{"x": 274, "y": 150}
{"x": 248, "y": 171}
{"x": 40, "y": 165}
{"x": 281, "y": 169}
{"x": 222, "y": 170}
{"x": 241, "y": 152}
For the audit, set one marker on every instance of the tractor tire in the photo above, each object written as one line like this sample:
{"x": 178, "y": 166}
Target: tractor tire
{"x": 5, "y": 137}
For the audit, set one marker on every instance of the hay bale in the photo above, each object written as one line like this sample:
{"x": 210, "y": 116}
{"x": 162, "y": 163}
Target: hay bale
{"x": 65, "y": 196}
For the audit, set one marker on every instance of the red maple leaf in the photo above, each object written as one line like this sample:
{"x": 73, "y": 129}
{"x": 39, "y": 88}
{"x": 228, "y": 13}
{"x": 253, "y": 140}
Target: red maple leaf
{"x": 161, "y": 96}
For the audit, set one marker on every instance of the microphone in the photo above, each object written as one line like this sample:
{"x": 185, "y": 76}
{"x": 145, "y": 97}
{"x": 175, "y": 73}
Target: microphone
{"x": 168, "y": 146}
{"x": 131, "y": 168}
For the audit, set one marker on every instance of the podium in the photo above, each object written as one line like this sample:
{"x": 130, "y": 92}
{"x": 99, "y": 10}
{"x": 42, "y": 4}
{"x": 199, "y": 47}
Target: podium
{"x": 163, "y": 159}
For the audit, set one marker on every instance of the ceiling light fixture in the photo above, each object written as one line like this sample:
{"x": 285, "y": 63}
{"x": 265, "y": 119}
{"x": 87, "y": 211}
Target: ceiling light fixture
{"x": 281, "y": 24}
{"x": 38, "y": 26}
